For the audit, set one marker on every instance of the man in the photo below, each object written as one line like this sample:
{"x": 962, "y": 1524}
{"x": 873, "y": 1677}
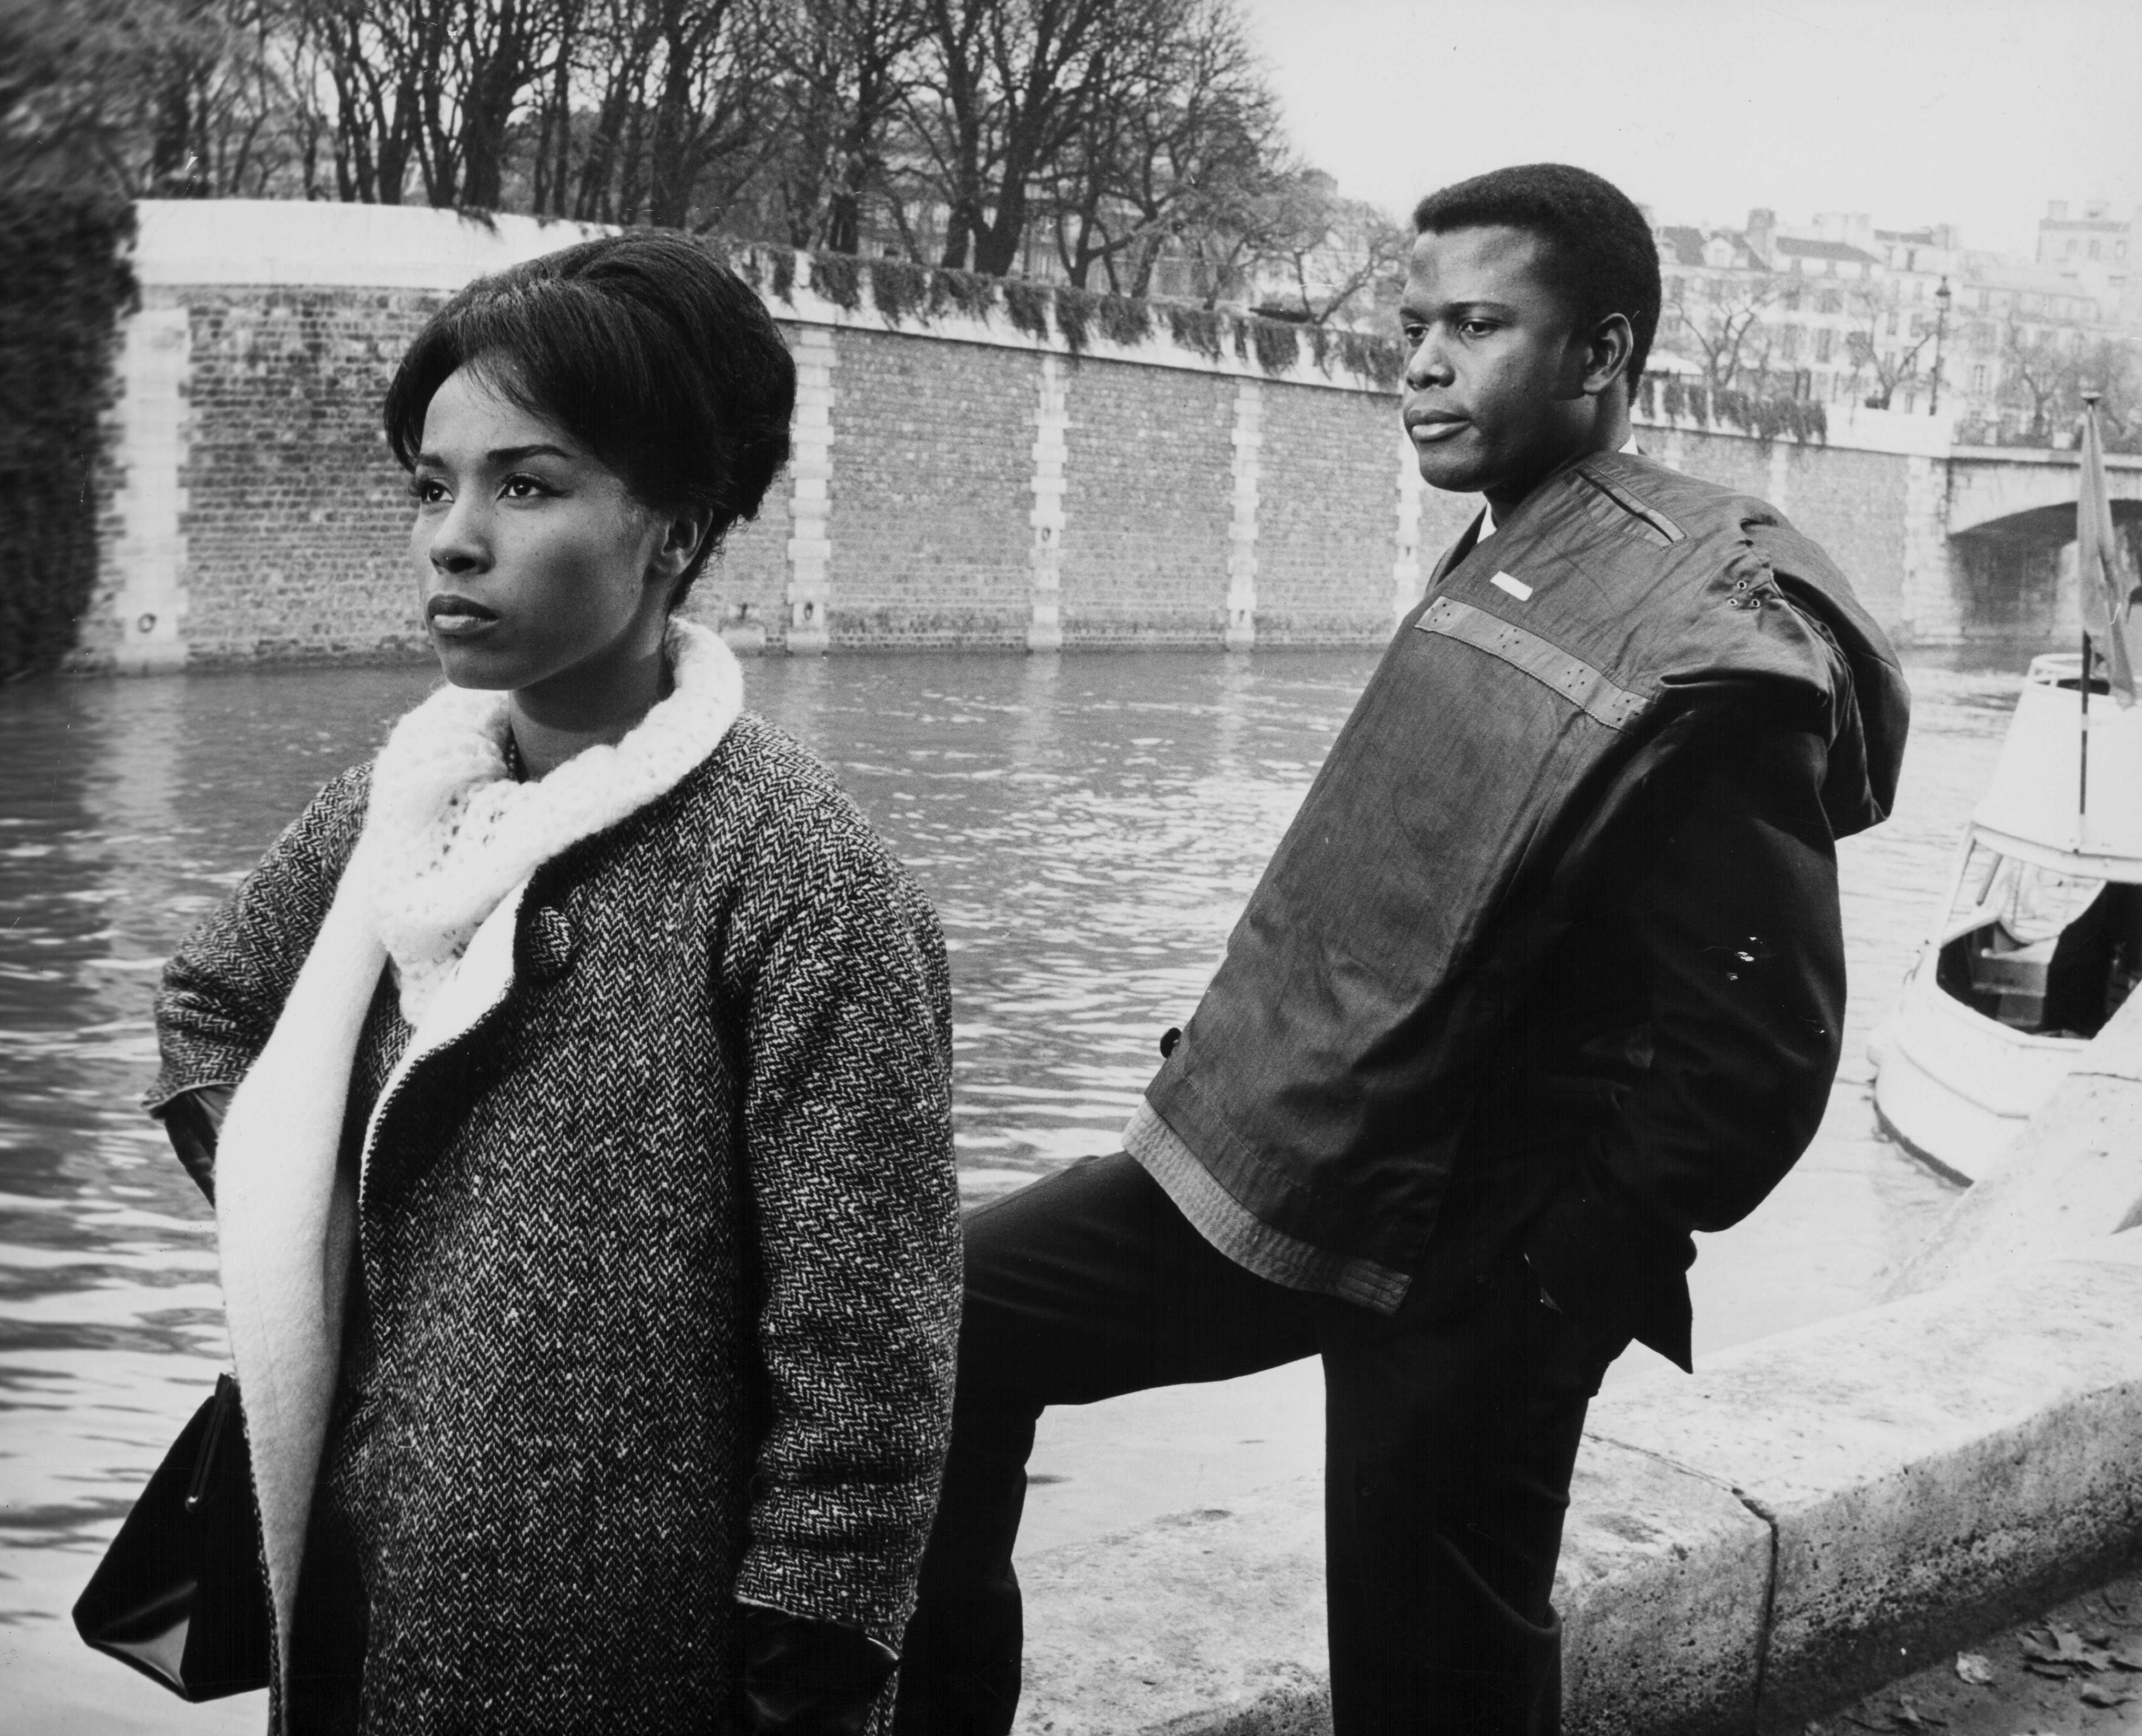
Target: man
{"x": 1548, "y": 973}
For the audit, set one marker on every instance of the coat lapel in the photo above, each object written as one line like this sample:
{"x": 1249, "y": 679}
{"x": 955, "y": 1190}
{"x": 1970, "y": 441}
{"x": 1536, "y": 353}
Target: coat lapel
{"x": 479, "y": 985}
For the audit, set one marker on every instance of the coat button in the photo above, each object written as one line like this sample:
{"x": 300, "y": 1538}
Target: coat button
{"x": 549, "y": 943}
{"x": 1168, "y": 1039}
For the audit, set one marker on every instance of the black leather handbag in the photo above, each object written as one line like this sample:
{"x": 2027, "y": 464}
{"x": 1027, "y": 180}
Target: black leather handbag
{"x": 180, "y": 1596}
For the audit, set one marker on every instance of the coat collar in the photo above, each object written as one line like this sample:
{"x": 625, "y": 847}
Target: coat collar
{"x": 449, "y": 831}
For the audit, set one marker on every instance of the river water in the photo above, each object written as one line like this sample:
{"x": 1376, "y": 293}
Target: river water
{"x": 1088, "y": 827}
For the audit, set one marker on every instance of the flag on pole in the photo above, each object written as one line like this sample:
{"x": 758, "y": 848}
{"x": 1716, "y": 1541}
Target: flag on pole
{"x": 2107, "y": 591}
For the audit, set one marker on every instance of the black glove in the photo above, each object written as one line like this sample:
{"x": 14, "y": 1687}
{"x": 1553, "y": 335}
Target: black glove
{"x": 193, "y": 1119}
{"x": 804, "y": 1677}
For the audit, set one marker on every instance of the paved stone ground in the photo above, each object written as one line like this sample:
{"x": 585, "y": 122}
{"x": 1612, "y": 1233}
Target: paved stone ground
{"x": 2076, "y": 1671}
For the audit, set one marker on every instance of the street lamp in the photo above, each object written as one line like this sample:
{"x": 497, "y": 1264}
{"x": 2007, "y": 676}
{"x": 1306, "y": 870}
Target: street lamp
{"x": 1941, "y": 299}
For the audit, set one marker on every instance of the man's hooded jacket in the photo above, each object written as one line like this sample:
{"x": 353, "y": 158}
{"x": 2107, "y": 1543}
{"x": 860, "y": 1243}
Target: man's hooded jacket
{"x": 1556, "y": 927}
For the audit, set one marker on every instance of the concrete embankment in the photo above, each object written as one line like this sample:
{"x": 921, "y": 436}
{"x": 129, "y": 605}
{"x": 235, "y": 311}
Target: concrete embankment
{"x": 1808, "y": 1517}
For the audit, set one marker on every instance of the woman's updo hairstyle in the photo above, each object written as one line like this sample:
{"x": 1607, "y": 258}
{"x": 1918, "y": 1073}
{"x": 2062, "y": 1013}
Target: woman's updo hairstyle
{"x": 642, "y": 346}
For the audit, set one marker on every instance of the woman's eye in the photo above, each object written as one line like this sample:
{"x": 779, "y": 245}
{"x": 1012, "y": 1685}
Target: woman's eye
{"x": 523, "y": 488}
{"x": 427, "y": 490}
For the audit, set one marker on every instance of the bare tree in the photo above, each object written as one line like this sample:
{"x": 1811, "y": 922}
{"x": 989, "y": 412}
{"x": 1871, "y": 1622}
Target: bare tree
{"x": 2032, "y": 371}
{"x": 1329, "y": 258}
{"x": 1002, "y": 89}
{"x": 847, "y": 72}
{"x": 1718, "y": 321}
{"x": 163, "y": 98}
{"x": 1185, "y": 131}
{"x": 1892, "y": 356}
{"x": 1134, "y": 134}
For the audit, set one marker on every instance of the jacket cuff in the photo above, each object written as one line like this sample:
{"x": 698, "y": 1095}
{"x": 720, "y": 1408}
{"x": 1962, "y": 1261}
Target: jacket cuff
{"x": 1607, "y": 1266}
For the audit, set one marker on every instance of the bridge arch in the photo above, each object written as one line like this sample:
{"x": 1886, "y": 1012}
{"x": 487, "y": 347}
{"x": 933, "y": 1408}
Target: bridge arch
{"x": 2016, "y": 573}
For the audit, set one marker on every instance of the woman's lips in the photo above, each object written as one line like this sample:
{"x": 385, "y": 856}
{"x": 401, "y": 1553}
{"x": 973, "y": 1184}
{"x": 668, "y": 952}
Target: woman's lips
{"x": 458, "y": 617}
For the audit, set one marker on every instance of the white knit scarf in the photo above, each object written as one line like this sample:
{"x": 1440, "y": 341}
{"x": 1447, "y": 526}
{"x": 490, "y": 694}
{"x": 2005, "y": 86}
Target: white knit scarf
{"x": 448, "y": 841}
{"x": 449, "y": 833}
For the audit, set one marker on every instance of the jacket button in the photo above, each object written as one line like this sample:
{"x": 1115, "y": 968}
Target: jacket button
{"x": 550, "y": 943}
{"x": 1168, "y": 1039}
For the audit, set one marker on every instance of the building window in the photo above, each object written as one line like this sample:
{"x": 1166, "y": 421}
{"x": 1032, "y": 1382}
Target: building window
{"x": 2119, "y": 252}
{"x": 2094, "y": 254}
{"x": 1978, "y": 377}
{"x": 1822, "y": 339}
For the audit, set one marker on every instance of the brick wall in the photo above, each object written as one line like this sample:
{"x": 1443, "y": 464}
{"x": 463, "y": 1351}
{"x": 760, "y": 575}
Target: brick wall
{"x": 747, "y": 581}
{"x": 966, "y": 484}
{"x": 1150, "y": 494}
{"x": 932, "y": 492}
{"x": 936, "y": 509}
{"x": 1327, "y": 504}
{"x": 297, "y": 517}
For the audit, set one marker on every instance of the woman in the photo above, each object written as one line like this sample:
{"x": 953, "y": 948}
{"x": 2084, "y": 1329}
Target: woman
{"x": 586, "y": 1202}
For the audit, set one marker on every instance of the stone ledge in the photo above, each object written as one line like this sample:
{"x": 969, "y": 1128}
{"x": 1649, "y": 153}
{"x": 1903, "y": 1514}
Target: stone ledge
{"x": 1808, "y": 1516}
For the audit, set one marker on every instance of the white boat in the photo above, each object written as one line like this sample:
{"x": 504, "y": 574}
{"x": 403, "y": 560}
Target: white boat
{"x": 2038, "y": 940}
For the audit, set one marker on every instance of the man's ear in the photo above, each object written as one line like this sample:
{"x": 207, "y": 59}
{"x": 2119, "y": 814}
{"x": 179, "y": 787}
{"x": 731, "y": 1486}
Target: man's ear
{"x": 1606, "y": 353}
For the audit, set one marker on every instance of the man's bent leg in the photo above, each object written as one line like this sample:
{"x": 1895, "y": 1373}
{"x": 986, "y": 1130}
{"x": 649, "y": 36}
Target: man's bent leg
{"x": 1452, "y": 1432}
{"x": 1083, "y": 1286}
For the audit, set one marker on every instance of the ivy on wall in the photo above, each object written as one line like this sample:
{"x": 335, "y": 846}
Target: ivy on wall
{"x": 1764, "y": 415}
{"x": 902, "y": 291}
{"x": 64, "y": 284}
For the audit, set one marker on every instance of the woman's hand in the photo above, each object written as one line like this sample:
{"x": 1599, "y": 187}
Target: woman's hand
{"x": 192, "y": 1120}
{"x": 804, "y": 1677}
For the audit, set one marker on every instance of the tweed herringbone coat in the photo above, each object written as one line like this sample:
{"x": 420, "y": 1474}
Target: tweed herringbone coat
{"x": 656, "y": 1285}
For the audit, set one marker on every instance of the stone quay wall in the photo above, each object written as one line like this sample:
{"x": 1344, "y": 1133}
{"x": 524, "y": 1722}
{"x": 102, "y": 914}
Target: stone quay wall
{"x": 960, "y": 484}
{"x": 956, "y": 483}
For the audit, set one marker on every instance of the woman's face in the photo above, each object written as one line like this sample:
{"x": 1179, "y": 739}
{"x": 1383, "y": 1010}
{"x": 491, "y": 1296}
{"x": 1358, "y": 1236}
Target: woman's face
{"x": 536, "y": 570}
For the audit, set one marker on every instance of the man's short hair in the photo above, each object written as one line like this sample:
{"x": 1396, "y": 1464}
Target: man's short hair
{"x": 1599, "y": 253}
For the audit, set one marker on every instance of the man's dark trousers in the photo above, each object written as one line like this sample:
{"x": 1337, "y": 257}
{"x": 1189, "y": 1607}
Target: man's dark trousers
{"x": 1451, "y": 1429}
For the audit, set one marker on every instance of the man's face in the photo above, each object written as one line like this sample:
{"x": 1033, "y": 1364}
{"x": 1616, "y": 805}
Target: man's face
{"x": 1495, "y": 364}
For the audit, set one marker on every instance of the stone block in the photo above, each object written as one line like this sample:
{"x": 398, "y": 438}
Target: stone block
{"x": 1932, "y": 1468}
{"x": 1662, "y": 1588}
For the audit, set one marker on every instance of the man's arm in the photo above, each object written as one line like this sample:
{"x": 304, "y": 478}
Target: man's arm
{"x": 1732, "y": 908}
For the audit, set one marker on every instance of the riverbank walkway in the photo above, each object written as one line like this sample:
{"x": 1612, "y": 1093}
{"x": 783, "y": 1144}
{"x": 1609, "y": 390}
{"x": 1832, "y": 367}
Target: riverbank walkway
{"x": 2076, "y": 1670}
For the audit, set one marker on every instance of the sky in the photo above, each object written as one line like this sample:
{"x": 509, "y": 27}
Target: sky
{"x": 1974, "y": 112}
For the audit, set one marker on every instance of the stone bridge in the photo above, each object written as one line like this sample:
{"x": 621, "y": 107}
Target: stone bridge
{"x": 1995, "y": 554}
